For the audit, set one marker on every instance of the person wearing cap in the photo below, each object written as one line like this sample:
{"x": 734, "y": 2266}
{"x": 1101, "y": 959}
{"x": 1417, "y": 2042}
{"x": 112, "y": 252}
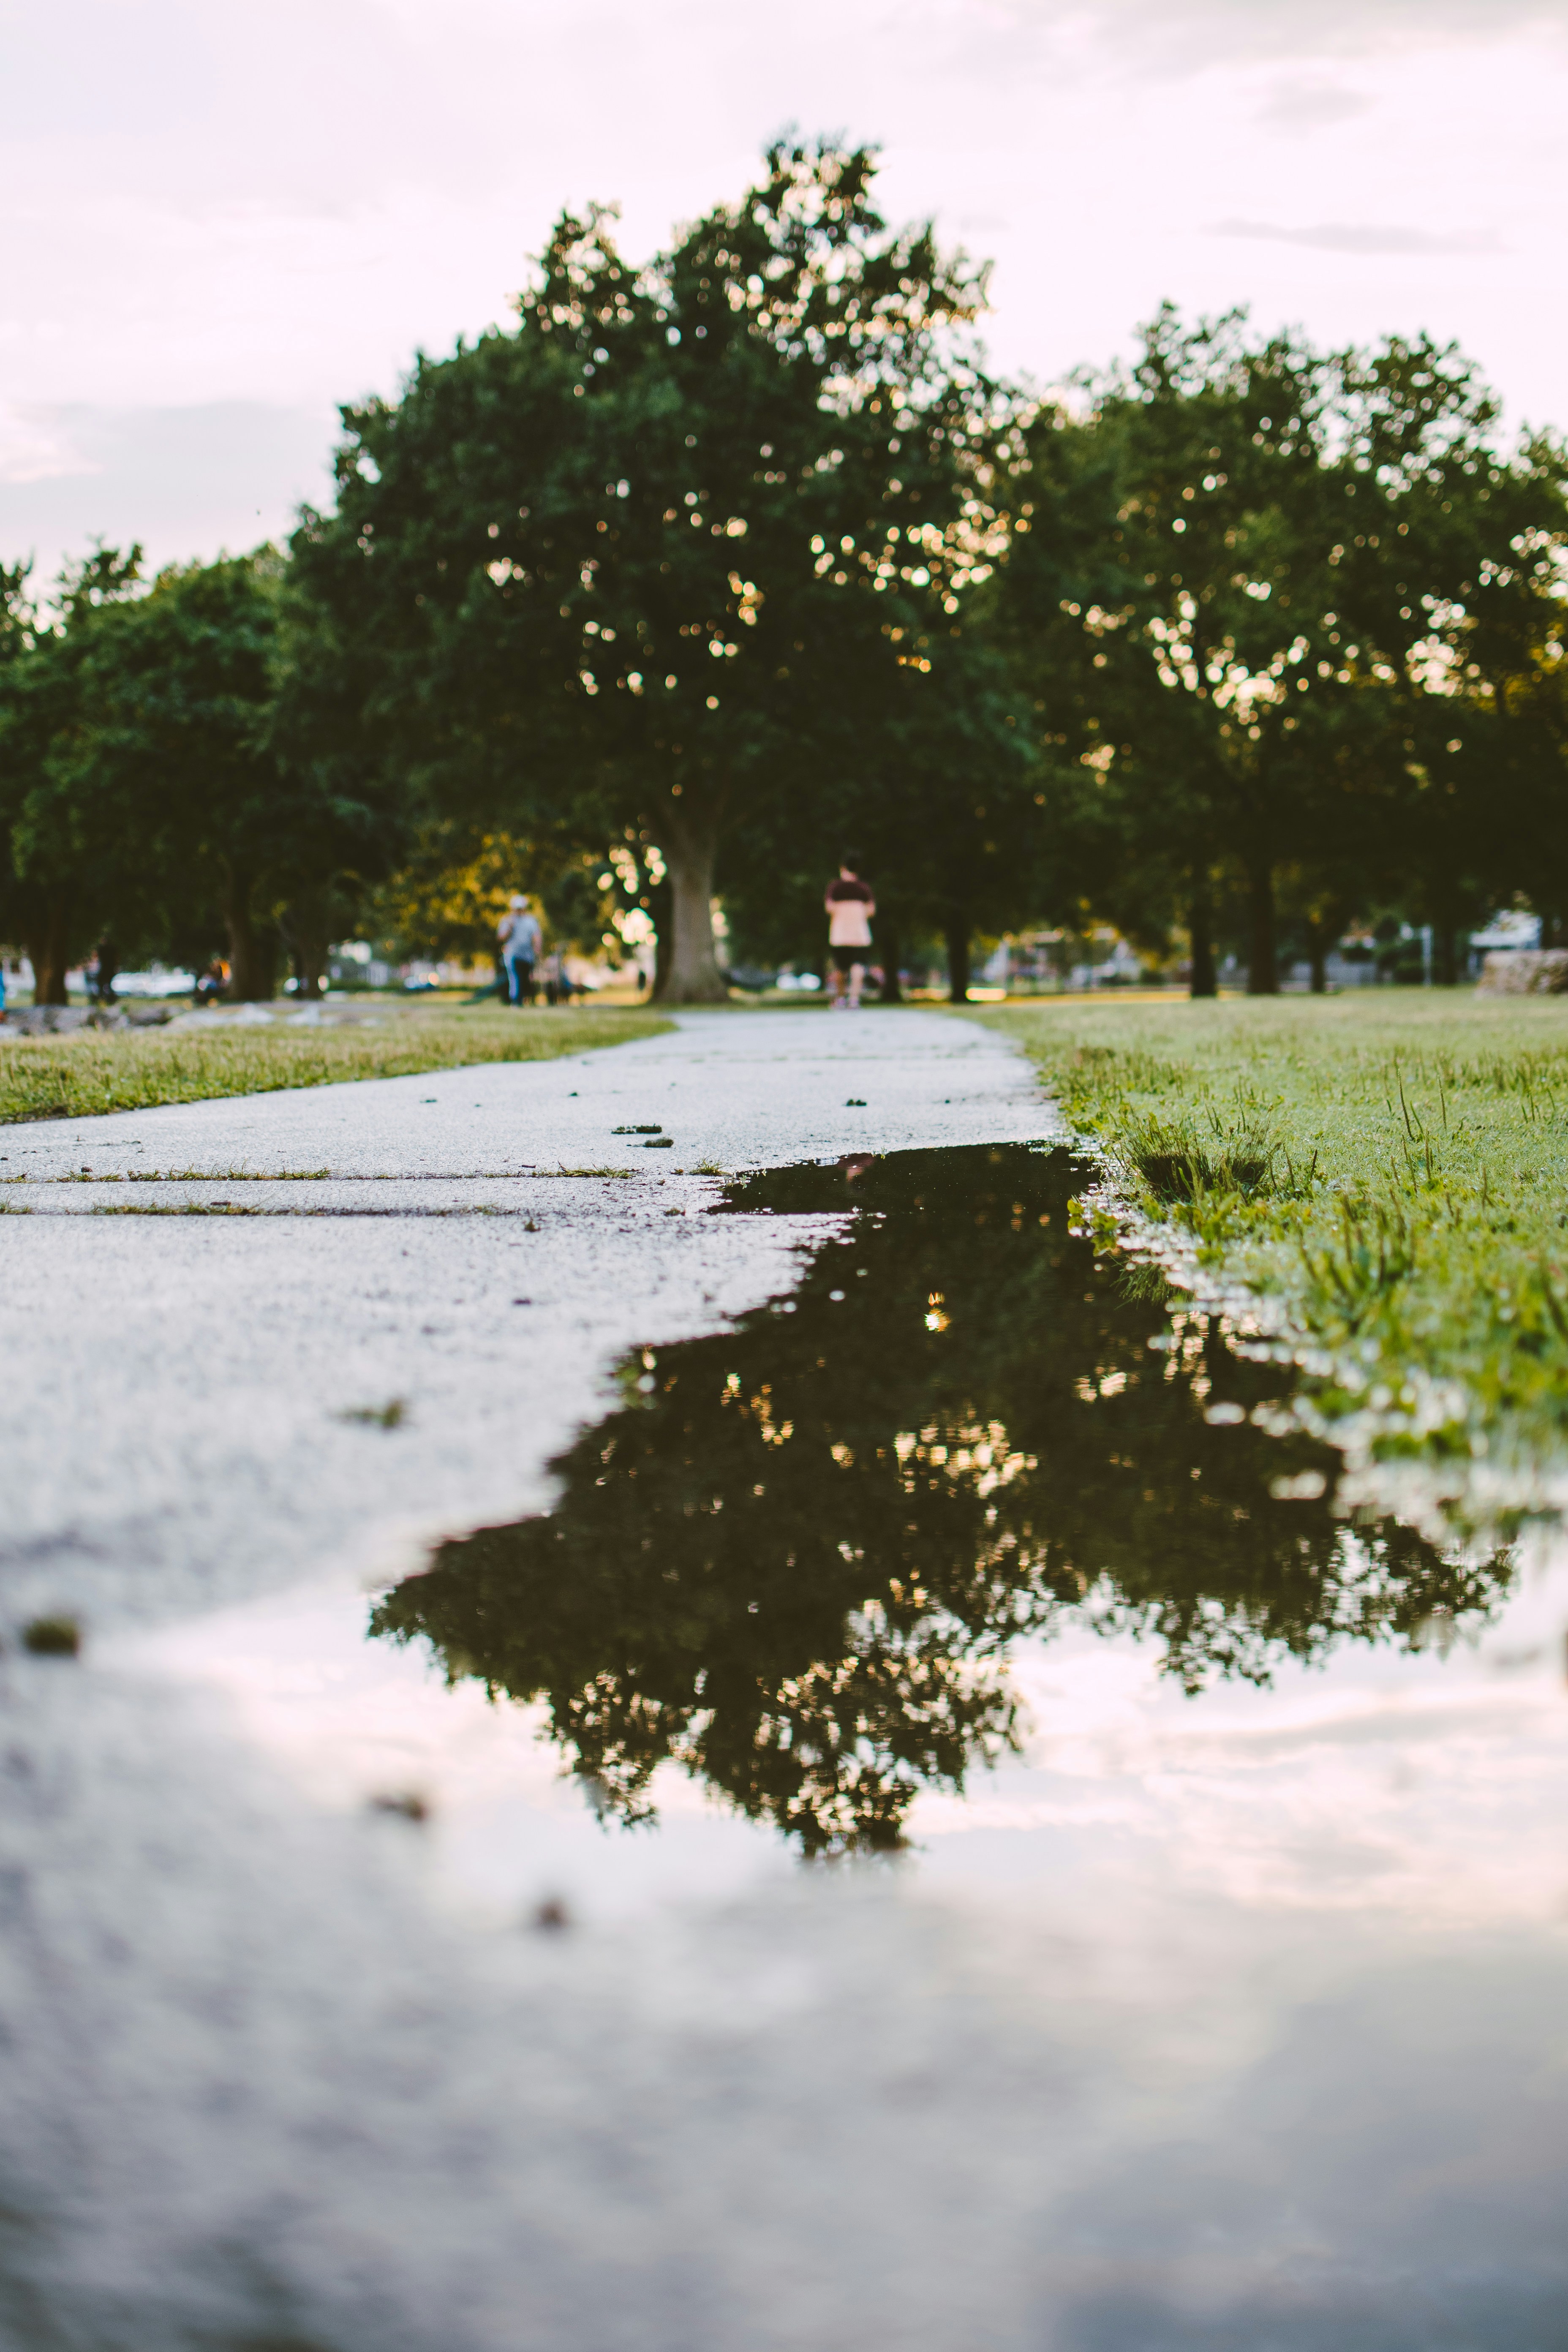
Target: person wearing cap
{"x": 522, "y": 941}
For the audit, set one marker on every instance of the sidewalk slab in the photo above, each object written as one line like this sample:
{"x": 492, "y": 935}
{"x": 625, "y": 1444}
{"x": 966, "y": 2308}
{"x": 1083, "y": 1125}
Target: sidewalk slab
{"x": 179, "y": 1381}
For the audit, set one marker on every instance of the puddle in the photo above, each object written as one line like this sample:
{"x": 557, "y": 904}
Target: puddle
{"x": 968, "y": 1567}
{"x": 806, "y": 1562}
{"x": 967, "y": 1551}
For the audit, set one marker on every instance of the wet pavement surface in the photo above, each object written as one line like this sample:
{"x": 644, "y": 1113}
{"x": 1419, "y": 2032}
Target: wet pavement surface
{"x": 846, "y": 1790}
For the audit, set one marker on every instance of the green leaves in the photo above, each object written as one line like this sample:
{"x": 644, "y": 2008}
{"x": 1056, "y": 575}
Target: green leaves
{"x": 1282, "y": 609}
{"x": 643, "y": 567}
{"x": 154, "y": 783}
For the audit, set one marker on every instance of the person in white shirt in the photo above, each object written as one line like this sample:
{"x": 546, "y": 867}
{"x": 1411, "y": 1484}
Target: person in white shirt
{"x": 850, "y": 905}
{"x": 522, "y": 941}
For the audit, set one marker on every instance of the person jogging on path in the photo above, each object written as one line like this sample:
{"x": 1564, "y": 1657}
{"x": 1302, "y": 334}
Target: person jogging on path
{"x": 850, "y": 905}
{"x": 522, "y": 941}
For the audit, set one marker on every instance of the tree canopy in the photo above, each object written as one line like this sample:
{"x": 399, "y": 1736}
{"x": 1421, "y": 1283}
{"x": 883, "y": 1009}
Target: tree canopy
{"x": 149, "y": 773}
{"x": 675, "y": 554}
{"x": 1276, "y": 591}
{"x": 709, "y": 569}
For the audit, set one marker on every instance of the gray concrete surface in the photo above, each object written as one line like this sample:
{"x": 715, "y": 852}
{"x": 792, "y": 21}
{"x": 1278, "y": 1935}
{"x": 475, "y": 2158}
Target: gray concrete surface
{"x": 741, "y": 1088}
{"x": 178, "y": 1384}
{"x": 262, "y": 2088}
{"x": 257, "y": 2088}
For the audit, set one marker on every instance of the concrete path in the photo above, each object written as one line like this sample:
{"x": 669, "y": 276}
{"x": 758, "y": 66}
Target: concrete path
{"x": 1156, "y": 2067}
{"x": 739, "y": 1088}
{"x": 178, "y": 1384}
{"x": 255, "y": 2086}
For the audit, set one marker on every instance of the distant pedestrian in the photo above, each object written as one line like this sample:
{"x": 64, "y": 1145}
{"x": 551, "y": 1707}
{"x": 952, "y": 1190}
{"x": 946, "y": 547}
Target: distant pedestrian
{"x": 850, "y": 905}
{"x": 212, "y": 983}
{"x": 521, "y": 944}
{"x": 101, "y": 972}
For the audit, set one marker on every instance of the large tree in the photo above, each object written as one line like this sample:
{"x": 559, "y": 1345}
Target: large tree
{"x": 167, "y": 758}
{"x": 655, "y": 556}
{"x": 1282, "y": 568}
{"x": 62, "y": 876}
{"x": 1453, "y": 567}
{"x": 1227, "y": 721}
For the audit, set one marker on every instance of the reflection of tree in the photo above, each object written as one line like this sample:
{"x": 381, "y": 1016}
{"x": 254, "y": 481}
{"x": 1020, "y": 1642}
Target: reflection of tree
{"x": 793, "y": 1561}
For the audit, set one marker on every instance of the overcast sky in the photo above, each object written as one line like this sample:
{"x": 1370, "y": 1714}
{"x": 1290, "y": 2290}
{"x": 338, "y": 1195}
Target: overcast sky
{"x": 222, "y": 217}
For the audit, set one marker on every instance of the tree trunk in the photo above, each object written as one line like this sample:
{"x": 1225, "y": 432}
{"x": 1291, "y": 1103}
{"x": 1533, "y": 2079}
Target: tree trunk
{"x": 691, "y": 976}
{"x": 1263, "y": 972}
{"x": 251, "y": 971}
{"x": 1317, "y": 956}
{"x": 304, "y": 926}
{"x": 48, "y": 950}
{"x": 891, "y": 991}
{"x": 659, "y": 910}
{"x": 1445, "y": 954}
{"x": 956, "y": 932}
{"x": 1200, "y": 926}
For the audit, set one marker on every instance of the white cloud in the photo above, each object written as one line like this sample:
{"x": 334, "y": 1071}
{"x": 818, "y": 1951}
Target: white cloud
{"x": 35, "y": 446}
{"x": 1155, "y": 35}
{"x": 1310, "y": 105}
{"x": 1365, "y": 236}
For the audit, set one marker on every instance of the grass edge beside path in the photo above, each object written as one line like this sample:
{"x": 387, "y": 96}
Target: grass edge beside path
{"x": 1388, "y": 1173}
{"x": 86, "y": 1072}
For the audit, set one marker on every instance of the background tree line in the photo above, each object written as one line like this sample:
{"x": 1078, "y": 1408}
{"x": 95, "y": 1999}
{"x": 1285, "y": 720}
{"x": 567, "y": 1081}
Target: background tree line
{"x": 706, "y": 569}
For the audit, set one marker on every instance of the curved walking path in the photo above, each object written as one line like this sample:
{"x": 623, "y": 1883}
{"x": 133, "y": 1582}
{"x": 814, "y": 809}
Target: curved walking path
{"x": 255, "y": 2084}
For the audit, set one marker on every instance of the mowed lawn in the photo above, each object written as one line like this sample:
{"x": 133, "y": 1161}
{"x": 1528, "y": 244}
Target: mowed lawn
{"x": 88, "y": 1070}
{"x": 1392, "y": 1167}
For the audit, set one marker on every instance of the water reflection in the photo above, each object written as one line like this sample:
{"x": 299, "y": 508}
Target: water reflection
{"x": 793, "y": 1561}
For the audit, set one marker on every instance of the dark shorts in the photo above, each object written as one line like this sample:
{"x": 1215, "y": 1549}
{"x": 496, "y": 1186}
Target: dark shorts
{"x": 846, "y": 959}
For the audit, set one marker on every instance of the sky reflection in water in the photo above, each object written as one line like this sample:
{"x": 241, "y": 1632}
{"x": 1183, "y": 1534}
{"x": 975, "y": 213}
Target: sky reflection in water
{"x": 1233, "y": 2001}
{"x": 796, "y": 1559}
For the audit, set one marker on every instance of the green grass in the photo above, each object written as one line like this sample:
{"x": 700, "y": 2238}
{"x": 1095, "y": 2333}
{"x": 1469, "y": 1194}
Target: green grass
{"x": 89, "y": 1070}
{"x": 1391, "y": 1169}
